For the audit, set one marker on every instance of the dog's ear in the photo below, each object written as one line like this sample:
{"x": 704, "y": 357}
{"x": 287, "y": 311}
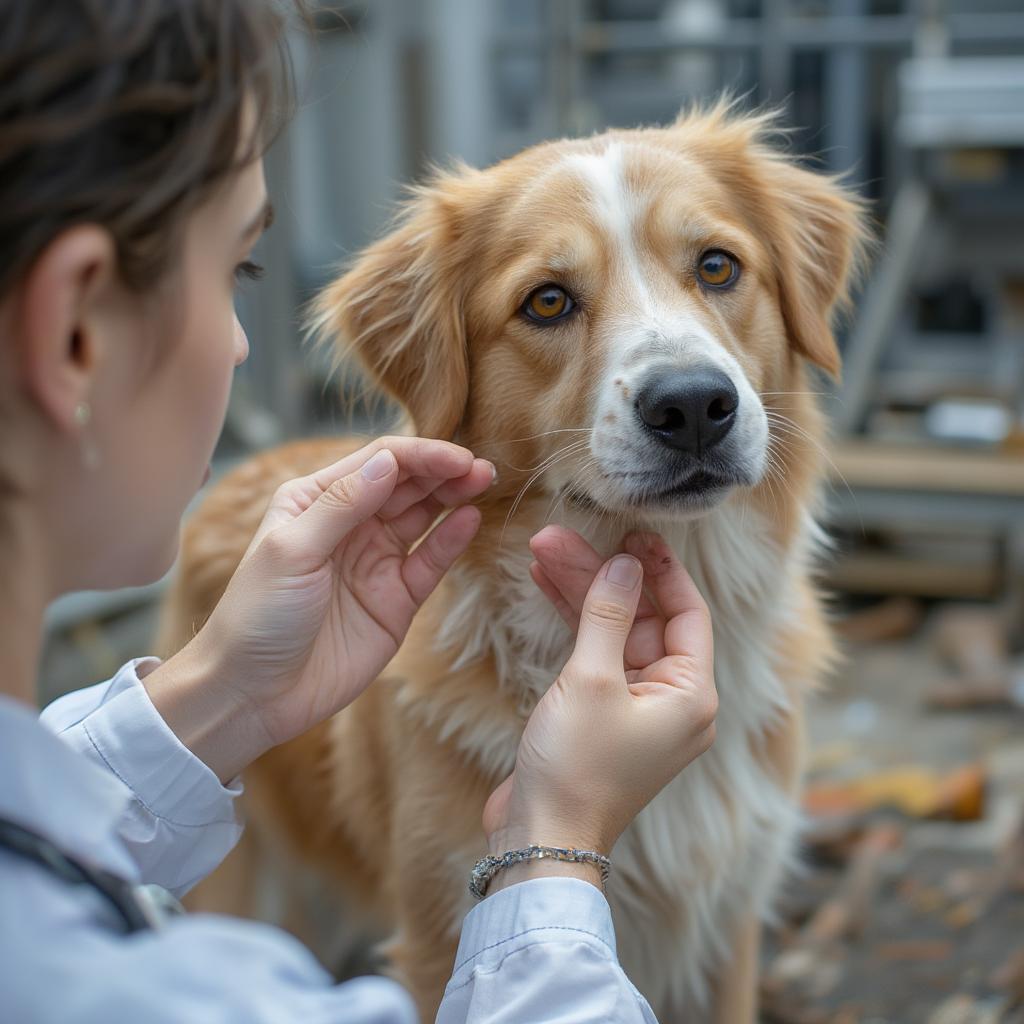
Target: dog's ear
{"x": 817, "y": 229}
{"x": 399, "y": 311}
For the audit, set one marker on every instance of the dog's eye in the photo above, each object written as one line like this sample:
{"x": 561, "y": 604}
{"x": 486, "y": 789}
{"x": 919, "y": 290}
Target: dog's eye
{"x": 548, "y": 304}
{"x": 718, "y": 269}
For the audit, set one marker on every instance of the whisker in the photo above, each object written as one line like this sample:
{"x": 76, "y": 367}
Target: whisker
{"x": 793, "y": 430}
{"x": 776, "y": 474}
{"x": 570, "y": 449}
{"x": 543, "y": 463}
{"x": 530, "y": 437}
{"x": 813, "y": 394}
{"x": 769, "y": 477}
{"x": 574, "y": 479}
{"x": 775, "y": 479}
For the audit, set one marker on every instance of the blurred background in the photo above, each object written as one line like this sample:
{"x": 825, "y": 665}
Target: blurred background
{"x": 913, "y": 906}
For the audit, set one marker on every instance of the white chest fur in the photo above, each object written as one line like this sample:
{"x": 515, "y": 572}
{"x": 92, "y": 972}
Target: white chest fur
{"x": 711, "y": 848}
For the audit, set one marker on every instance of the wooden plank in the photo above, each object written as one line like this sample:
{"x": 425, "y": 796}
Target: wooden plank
{"x": 934, "y": 469}
{"x": 863, "y": 573}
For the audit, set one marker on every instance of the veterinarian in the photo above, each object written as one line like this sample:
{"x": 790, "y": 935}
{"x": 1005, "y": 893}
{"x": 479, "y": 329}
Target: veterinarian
{"x": 131, "y": 194}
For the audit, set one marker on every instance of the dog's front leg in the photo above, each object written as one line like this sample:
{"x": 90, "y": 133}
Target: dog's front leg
{"x": 735, "y": 997}
{"x": 423, "y": 963}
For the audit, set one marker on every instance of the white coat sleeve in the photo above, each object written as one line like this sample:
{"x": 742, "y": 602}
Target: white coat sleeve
{"x": 181, "y": 822}
{"x": 541, "y": 951}
{"x": 59, "y": 965}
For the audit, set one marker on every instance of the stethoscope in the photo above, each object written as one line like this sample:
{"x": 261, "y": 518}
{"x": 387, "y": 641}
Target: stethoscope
{"x": 139, "y": 907}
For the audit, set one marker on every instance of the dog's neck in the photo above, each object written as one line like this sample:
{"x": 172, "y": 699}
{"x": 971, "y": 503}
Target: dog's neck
{"x": 738, "y": 563}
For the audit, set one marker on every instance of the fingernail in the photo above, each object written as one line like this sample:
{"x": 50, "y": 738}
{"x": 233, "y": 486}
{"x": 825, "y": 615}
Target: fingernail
{"x": 624, "y": 571}
{"x": 379, "y": 466}
{"x": 494, "y": 474}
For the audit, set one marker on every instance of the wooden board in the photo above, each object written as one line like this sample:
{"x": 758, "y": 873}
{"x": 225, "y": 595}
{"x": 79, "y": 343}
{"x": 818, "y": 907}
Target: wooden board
{"x": 939, "y": 470}
{"x": 870, "y": 573}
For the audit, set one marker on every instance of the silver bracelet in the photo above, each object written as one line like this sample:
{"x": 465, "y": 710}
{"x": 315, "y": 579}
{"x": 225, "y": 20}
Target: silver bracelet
{"x": 486, "y": 868}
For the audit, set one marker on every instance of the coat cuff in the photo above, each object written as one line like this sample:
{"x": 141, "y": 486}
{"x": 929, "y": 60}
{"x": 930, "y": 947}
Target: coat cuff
{"x": 522, "y": 915}
{"x": 117, "y": 722}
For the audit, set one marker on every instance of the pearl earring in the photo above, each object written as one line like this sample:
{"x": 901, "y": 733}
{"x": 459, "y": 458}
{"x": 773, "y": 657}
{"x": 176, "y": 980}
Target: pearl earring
{"x": 90, "y": 453}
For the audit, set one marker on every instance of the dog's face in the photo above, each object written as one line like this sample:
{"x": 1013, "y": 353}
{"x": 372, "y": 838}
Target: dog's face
{"x": 610, "y": 314}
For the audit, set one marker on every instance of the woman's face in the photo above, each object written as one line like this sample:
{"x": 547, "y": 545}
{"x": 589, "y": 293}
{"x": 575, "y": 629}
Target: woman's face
{"x": 161, "y": 394}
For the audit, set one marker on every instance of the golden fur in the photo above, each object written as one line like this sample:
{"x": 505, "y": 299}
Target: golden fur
{"x": 385, "y": 800}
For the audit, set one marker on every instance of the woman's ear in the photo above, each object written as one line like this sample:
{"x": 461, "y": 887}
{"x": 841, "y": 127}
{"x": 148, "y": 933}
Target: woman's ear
{"x": 55, "y": 321}
{"x": 820, "y": 239}
{"x": 399, "y": 311}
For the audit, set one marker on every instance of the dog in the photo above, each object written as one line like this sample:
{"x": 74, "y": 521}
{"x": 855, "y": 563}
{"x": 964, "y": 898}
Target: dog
{"x": 625, "y": 325}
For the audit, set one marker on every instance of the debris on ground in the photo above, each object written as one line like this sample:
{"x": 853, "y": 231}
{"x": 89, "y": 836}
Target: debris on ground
{"x": 915, "y": 791}
{"x": 894, "y": 618}
{"x": 974, "y": 643}
{"x": 911, "y": 907}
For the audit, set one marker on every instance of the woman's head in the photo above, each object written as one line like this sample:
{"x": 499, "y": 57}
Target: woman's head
{"x": 126, "y": 113}
{"x": 131, "y": 189}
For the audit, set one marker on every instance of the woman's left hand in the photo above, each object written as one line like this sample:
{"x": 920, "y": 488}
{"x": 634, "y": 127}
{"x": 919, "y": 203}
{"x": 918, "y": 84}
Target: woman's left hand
{"x": 322, "y": 599}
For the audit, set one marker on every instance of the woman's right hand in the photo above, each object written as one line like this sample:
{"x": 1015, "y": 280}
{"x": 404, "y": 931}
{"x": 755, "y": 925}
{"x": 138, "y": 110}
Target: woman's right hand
{"x": 634, "y": 705}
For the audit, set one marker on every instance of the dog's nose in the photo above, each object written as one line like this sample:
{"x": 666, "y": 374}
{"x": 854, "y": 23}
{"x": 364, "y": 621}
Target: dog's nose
{"x": 689, "y": 410}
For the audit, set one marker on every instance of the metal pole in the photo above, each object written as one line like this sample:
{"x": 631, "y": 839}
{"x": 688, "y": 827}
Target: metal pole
{"x": 568, "y": 67}
{"x": 462, "y": 108}
{"x": 775, "y": 54}
{"x": 846, "y": 89}
{"x": 883, "y": 299}
{"x": 882, "y": 31}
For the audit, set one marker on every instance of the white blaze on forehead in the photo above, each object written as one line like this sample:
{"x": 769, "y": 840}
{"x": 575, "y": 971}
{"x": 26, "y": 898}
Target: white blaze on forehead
{"x": 650, "y": 326}
{"x": 614, "y": 207}
{"x": 602, "y": 173}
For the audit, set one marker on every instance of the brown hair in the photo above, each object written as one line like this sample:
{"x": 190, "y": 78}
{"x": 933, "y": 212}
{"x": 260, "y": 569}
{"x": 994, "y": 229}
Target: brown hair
{"x": 127, "y": 114}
